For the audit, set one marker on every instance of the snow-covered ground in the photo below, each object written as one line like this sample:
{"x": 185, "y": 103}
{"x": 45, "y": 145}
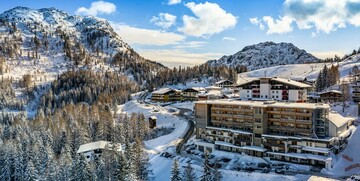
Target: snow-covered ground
{"x": 165, "y": 118}
{"x": 310, "y": 71}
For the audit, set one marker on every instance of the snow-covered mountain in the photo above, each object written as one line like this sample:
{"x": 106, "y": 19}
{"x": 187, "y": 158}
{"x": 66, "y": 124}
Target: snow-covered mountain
{"x": 265, "y": 54}
{"x": 52, "y": 34}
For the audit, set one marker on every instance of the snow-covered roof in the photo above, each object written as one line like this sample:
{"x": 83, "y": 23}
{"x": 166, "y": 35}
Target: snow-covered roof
{"x": 93, "y": 146}
{"x": 199, "y": 89}
{"x": 153, "y": 117}
{"x": 230, "y": 130}
{"x": 281, "y": 80}
{"x": 254, "y": 148}
{"x": 212, "y": 88}
{"x": 222, "y": 81}
{"x": 338, "y": 120}
{"x": 300, "y": 155}
{"x": 226, "y": 144}
{"x": 163, "y": 91}
{"x": 203, "y": 143}
{"x": 291, "y": 82}
{"x": 212, "y": 93}
{"x": 263, "y": 104}
{"x": 331, "y": 91}
{"x": 316, "y": 149}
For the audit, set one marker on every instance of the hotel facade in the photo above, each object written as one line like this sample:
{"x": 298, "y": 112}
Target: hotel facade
{"x": 303, "y": 133}
{"x": 273, "y": 89}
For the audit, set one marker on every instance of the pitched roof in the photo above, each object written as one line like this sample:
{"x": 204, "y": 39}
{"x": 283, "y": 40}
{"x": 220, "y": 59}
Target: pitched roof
{"x": 337, "y": 119}
{"x": 281, "y": 80}
{"x": 93, "y": 146}
{"x": 196, "y": 89}
{"x": 222, "y": 81}
{"x": 100, "y": 145}
{"x": 163, "y": 91}
{"x": 291, "y": 82}
{"x": 333, "y": 91}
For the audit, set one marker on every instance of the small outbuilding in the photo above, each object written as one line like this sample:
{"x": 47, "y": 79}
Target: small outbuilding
{"x": 92, "y": 151}
{"x": 152, "y": 122}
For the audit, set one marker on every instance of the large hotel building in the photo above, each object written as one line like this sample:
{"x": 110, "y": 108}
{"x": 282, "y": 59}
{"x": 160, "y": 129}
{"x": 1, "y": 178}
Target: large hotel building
{"x": 304, "y": 133}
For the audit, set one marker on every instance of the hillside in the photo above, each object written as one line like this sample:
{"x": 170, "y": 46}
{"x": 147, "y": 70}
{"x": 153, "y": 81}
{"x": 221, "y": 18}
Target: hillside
{"x": 39, "y": 45}
{"x": 266, "y": 54}
{"x": 54, "y": 39}
{"x": 301, "y": 71}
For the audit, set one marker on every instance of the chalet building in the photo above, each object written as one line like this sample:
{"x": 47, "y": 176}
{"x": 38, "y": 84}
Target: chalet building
{"x": 273, "y": 89}
{"x": 166, "y": 95}
{"x": 356, "y": 91}
{"x": 191, "y": 94}
{"x": 296, "y": 132}
{"x": 224, "y": 83}
{"x": 212, "y": 92}
{"x": 331, "y": 96}
{"x": 92, "y": 151}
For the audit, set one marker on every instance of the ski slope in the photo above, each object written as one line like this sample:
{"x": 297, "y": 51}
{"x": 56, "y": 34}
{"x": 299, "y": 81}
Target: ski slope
{"x": 301, "y": 71}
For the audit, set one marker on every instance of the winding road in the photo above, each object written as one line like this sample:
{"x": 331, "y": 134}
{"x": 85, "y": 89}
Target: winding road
{"x": 189, "y": 131}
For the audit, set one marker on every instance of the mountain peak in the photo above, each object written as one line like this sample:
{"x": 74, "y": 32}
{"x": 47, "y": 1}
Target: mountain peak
{"x": 266, "y": 54}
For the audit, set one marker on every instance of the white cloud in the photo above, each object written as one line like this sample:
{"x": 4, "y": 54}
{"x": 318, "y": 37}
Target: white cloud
{"x": 322, "y": 15}
{"x": 164, "y": 20}
{"x": 209, "y": 19}
{"x": 141, "y": 36}
{"x": 98, "y": 7}
{"x": 172, "y": 2}
{"x": 191, "y": 44}
{"x": 176, "y": 57}
{"x": 229, "y": 38}
{"x": 257, "y": 22}
{"x": 279, "y": 26}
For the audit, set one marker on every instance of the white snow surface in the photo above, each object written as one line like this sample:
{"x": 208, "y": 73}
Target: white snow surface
{"x": 296, "y": 71}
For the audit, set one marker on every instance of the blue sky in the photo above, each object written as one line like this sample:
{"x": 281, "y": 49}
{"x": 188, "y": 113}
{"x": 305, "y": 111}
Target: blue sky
{"x": 188, "y": 32}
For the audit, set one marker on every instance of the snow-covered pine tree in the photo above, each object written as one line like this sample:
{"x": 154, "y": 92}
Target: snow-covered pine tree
{"x": 216, "y": 174}
{"x": 79, "y": 169}
{"x": 206, "y": 176}
{"x": 6, "y": 164}
{"x": 119, "y": 168}
{"x": 175, "y": 171}
{"x": 188, "y": 173}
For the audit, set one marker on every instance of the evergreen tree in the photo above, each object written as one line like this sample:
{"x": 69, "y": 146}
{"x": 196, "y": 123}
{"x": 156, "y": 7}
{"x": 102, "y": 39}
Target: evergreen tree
{"x": 207, "y": 170}
{"x": 319, "y": 82}
{"x": 175, "y": 172}
{"x": 189, "y": 174}
{"x": 79, "y": 169}
{"x": 326, "y": 78}
{"x": 216, "y": 174}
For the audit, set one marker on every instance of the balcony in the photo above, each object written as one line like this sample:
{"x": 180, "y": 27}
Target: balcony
{"x": 273, "y": 143}
{"x": 274, "y": 119}
{"x": 273, "y": 112}
{"x": 303, "y": 121}
{"x": 307, "y": 114}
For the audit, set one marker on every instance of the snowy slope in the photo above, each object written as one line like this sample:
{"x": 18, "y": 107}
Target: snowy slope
{"x": 309, "y": 71}
{"x": 53, "y": 29}
{"x": 265, "y": 55}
